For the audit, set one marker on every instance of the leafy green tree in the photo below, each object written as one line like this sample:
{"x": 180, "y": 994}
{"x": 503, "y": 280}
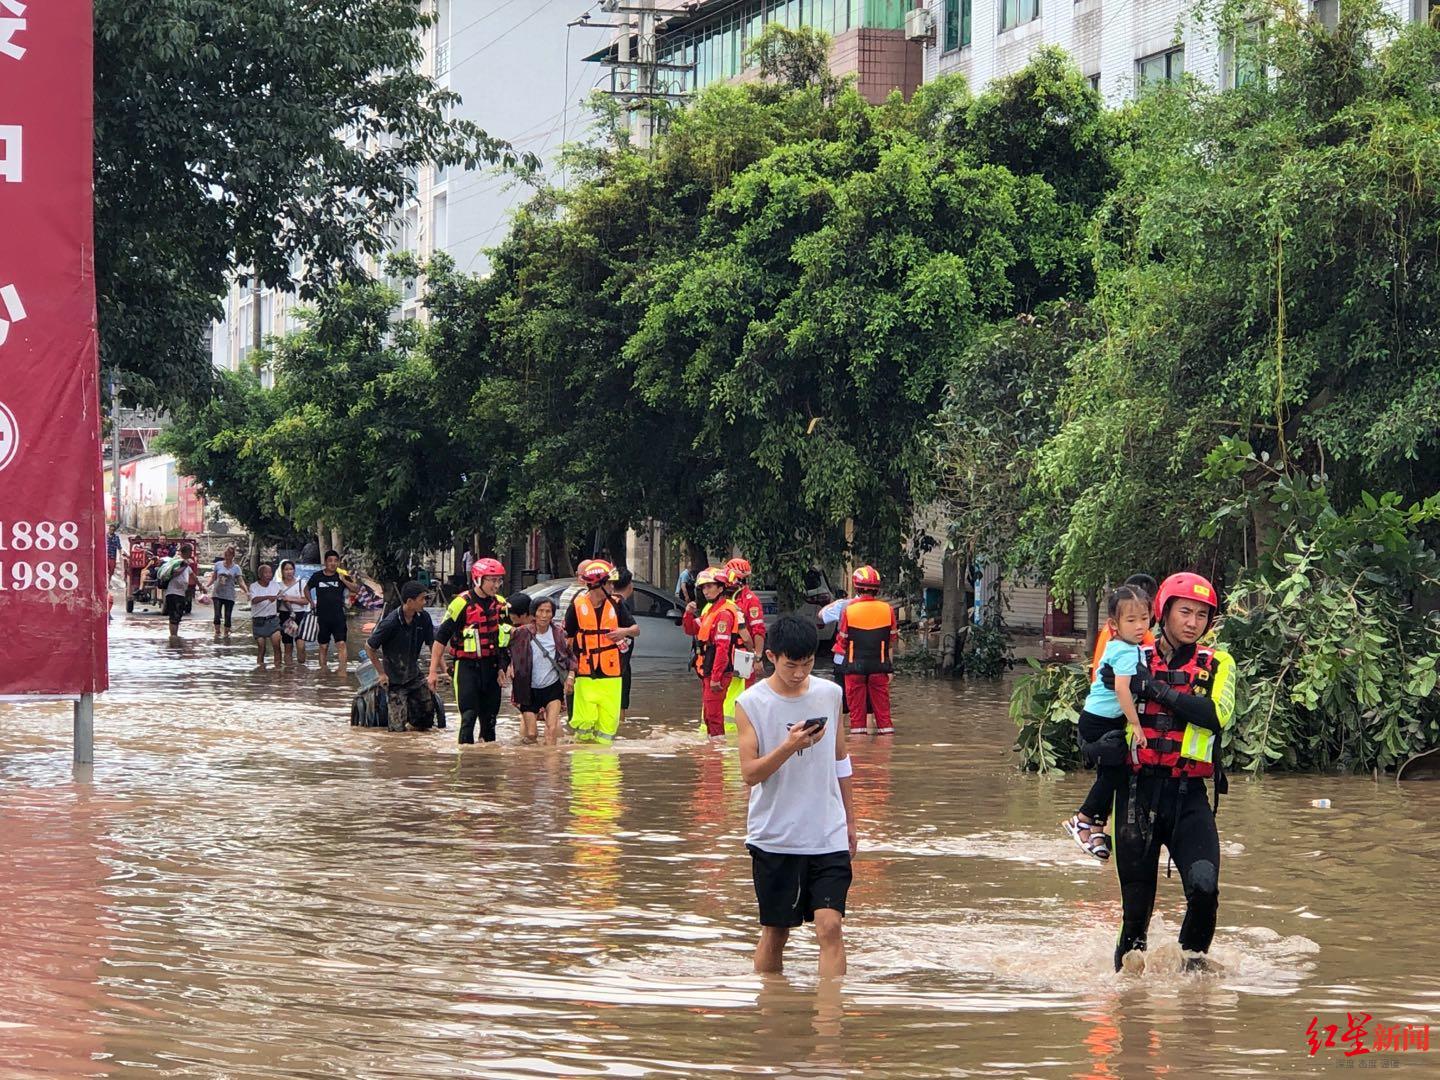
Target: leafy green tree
{"x": 231, "y": 135}
{"x": 360, "y": 443}
{"x": 1258, "y": 275}
{"x": 219, "y": 441}
{"x": 1338, "y": 663}
{"x": 793, "y": 59}
{"x": 1266, "y": 297}
{"x": 834, "y": 284}
{"x": 533, "y": 357}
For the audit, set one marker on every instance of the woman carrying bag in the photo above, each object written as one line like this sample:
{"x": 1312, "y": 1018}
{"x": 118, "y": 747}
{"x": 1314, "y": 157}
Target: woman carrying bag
{"x": 544, "y": 672}
{"x": 297, "y": 624}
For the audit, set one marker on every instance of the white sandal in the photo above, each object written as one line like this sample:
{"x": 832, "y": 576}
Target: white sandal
{"x": 1094, "y": 842}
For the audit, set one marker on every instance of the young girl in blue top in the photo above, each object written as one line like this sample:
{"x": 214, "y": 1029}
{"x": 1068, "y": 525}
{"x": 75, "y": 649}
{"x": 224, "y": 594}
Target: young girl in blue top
{"x": 1105, "y": 716}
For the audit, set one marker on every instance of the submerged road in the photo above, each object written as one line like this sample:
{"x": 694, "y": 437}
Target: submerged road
{"x": 248, "y": 887}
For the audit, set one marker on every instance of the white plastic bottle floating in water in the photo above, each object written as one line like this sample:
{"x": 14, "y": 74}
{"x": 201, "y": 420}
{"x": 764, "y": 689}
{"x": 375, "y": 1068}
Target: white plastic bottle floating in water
{"x": 1320, "y": 804}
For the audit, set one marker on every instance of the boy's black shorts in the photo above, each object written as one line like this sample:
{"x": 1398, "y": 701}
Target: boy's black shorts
{"x": 791, "y": 888}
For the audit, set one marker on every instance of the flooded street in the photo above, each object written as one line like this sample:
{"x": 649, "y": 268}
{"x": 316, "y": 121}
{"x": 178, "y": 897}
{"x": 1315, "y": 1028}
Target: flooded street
{"x": 248, "y": 887}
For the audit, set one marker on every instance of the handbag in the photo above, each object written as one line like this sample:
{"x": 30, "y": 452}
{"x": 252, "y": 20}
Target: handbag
{"x": 290, "y": 627}
{"x": 307, "y": 628}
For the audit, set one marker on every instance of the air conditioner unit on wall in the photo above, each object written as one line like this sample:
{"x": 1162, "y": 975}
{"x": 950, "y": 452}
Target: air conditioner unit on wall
{"x": 920, "y": 25}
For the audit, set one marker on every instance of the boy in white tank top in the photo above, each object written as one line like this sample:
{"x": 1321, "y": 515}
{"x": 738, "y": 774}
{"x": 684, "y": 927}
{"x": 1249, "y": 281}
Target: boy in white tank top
{"x": 801, "y": 832}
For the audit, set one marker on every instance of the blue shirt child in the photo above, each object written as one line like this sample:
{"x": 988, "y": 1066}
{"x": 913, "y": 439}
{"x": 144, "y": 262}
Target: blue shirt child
{"x": 1124, "y": 660}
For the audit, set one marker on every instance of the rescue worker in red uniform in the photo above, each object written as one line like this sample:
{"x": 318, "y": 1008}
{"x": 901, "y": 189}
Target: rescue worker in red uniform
{"x": 753, "y": 612}
{"x": 716, "y": 631}
{"x": 476, "y": 632}
{"x": 866, "y": 638}
{"x": 1186, "y": 698}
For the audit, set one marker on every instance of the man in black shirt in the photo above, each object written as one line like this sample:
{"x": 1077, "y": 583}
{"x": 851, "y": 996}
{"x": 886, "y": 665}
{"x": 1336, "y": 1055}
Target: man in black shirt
{"x": 395, "y": 649}
{"x": 625, "y": 594}
{"x": 328, "y": 589}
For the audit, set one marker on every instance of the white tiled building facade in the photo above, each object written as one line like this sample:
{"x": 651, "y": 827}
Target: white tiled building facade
{"x": 1118, "y": 44}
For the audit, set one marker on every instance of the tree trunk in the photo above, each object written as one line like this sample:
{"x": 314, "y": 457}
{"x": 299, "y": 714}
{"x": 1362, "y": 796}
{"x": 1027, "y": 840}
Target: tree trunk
{"x": 252, "y": 557}
{"x": 336, "y": 540}
{"x": 557, "y": 551}
{"x": 320, "y": 539}
{"x": 516, "y": 565}
{"x": 696, "y": 556}
{"x": 614, "y": 545}
{"x": 1092, "y": 615}
{"x": 952, "y": 610}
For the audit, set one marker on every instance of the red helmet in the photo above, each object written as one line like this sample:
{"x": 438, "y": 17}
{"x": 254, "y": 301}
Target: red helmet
{"x": 866, "y": 577}
{"x": 484, "y": 568}
{"x": 1185, "y": 587}
{"x": 595, "y": 572}
{"x": 740, "y": 566}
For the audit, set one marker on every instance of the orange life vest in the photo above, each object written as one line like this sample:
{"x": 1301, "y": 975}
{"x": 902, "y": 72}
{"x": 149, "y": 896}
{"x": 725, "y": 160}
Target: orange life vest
{"x": 598, "y": 656}
{"x": 707, "y": 644}
{"x": 869, "y": 623}
{"x": 1164, "y": 735}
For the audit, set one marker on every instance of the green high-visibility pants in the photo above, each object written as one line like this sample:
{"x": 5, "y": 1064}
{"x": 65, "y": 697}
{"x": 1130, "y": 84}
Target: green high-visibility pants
{"x": 595, "y": 714}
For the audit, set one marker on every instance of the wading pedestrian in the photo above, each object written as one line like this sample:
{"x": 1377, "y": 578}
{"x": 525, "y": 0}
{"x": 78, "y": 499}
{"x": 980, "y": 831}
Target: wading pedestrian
{"x": 476, "y": 634}
{"x": 222, "y": 583}
{"x": 801, "y": 823}
{"x": 177, "y": 574}
{"x": 595, "y": 625}
{"x": 264, "y": 593}
{"x": 544, "y": 670}
{"x": 294, "y": 612}
{"x": 329, "y": 589}
{"x": 399, "y": 642}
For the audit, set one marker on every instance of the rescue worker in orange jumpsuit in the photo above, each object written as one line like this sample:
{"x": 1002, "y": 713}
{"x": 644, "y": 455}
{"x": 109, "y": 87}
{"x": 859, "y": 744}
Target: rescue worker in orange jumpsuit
{"x": 866, "y": 638}
{"x": 753, "y": 613}
{"x": 716, "y": 631}
{"x": 596, "y": 624}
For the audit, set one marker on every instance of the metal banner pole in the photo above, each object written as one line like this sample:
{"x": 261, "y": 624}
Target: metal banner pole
{"x": 85, "y": 730}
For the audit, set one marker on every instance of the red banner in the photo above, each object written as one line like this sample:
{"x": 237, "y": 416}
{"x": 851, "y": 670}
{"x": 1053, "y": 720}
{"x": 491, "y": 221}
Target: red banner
{"x": 52, "y": 530}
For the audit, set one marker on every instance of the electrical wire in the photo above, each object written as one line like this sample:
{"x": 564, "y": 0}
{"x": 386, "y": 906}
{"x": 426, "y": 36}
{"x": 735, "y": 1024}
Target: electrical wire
{"x": 501, "y": 37}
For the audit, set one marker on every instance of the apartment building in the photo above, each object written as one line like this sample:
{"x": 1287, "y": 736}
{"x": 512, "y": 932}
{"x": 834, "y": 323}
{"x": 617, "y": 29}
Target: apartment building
{"x": 1120, "y": 45}
{"x": 508, "y": 63}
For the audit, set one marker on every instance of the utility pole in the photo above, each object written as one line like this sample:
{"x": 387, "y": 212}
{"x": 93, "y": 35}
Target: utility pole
{"x": 257, "y": 324}
{"x": 636, "y": 81}
{"x": 115, "y": 449}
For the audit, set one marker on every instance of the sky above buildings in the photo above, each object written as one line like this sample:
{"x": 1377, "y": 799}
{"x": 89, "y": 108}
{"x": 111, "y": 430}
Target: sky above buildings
{"x": 508, "y": 61}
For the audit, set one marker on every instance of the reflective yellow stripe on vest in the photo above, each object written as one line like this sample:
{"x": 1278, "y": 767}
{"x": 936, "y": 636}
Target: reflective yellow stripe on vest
{"x": 1197, "y": 744}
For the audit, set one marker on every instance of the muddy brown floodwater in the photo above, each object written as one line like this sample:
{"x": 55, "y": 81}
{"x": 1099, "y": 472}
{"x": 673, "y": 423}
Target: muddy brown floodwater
{"x": 248, "y": 887}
